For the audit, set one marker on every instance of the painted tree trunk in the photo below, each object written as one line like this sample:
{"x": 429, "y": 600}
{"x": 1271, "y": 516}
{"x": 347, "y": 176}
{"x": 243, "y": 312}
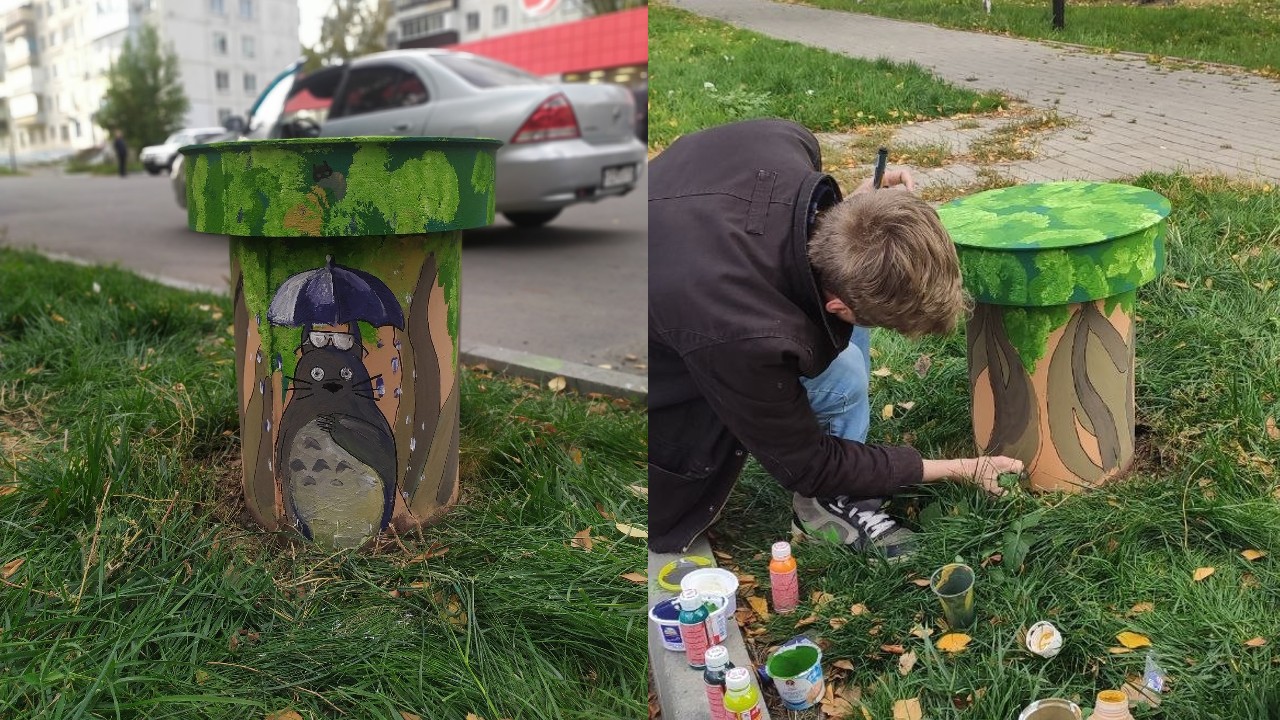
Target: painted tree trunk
{"x": 1054, "y": 269}
{"x": 346, "y": 263}
{"x": 1071, "y": 421}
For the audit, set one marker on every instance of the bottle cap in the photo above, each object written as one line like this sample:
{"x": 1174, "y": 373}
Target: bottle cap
{"x": 690, "y": 599}
{"x": 1113, "y": 698}
{"x": 737, "y": 679}
{"x": 781, "y": 550}
{"x": 717, "y": 657}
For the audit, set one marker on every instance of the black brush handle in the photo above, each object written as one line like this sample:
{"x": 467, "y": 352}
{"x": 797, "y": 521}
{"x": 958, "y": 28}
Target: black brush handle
{"x": 882, "y": 159}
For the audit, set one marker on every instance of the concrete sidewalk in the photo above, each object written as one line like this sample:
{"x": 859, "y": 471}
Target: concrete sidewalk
{"x": 1131, "y": 116}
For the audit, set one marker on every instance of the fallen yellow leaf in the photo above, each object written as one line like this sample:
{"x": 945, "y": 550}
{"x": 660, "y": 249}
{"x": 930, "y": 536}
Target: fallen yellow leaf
{"x": 473, "y": 716}
{"x": 8, "y": 490}
{"x": 284, "y": 715}
{"x": 576, "y": 456}
{"x": 882, "y": 371}
{"x": 820, "y": 598}
{"x": 907, "y": 405}
{"x": 1202, "y": 573}
{"x": 857, "y": 609}
{"x": 631, "y": 530}
{"x": 920, "y": 582}
{"x": 837, "y": 622}
{"x": 921, "y": 631}
{"x": 807, "y": 621}
{"x": 953, "y": 642}
{"x": 409, "y": 716}
{"x": 1141, "y": 608}
{"x": 907, "y": 710}
{"x": 1119, "y": 650}
{"x": 639, "y": 491}
{"x": 760, "y": 605}
{"x": 844, "y": 664}
{"x": 1273, "y": 432}
{"x": 893, "y": 649}
{"x": 887, "y": 412}
{"x": 906, "y": 662}
{"x": 1133, "y": 640}
{"x": 11, "y": 567}
{"x": 1255, "y": 642}
{"x": 1252, "y": 555}
{"x": 582, "y": 539}
{"x": 635, "y": 577}
{"x": 556, "y": 384}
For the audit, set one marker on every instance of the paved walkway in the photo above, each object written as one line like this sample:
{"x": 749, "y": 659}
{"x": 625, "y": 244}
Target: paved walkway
{"x": 1131, "y": 116}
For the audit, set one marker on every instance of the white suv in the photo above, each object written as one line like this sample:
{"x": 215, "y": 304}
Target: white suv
{"x": 160, "y": 157}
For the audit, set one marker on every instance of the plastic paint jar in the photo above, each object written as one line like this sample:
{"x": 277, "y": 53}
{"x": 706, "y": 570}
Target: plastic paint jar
{"x": 666, "y": 615}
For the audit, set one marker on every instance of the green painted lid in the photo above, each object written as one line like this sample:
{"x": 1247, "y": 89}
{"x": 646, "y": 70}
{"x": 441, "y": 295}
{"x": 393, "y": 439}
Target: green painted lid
{"x": 1056, "y": 243}
{"x": 339, "y": 187}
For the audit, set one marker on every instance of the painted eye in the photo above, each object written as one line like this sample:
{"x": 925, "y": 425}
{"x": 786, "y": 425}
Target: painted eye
{"x": 317, "y": 374}
{"x": 345, "y": 373}
{"x": 343, "y": 341}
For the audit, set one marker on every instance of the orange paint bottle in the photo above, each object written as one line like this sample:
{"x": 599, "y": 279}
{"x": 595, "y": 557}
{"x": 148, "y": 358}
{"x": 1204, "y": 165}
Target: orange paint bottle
{"x": 784, "y": 581}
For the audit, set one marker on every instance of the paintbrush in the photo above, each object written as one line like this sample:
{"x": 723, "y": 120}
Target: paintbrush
{"x": 882, "y": 159}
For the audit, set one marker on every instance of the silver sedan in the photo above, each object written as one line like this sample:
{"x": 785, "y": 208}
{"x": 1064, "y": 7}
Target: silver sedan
{"x": 564, "y": 143}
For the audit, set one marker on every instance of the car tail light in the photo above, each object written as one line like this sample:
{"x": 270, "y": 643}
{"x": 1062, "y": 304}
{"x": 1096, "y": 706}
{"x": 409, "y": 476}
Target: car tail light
{"x": 553, "y": 120}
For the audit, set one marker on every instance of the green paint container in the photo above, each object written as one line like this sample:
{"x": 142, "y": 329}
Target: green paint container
{"x": 1054, "y": 269}
{"x": 346, "y": 264}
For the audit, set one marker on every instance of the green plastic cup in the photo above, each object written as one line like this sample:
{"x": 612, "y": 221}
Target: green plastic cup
{"x": 953, "y": 584}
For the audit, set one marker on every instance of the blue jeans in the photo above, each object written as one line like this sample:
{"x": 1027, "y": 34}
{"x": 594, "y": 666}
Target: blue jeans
{"x": 839, "y": 395}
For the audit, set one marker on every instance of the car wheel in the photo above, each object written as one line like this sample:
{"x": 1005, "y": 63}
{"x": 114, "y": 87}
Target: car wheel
{"x": 531, "y": 219}
{"x": 153, "y": 170}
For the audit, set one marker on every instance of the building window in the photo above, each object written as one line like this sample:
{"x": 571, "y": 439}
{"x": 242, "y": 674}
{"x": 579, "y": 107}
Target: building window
{"x": 246, "y": 9}
{"x": 66, "y": 133}
{"x": 223, "y": 80}
{"x": 53, "y": 38}
{"x": 250, "y": 83}
{"x": 422, "y": 25}
{"x": 220, "y": 43}
{"x": 218, "y": 7}
{"x": 500, "y": 16}
{"x": 473, "y": 21}
{"x": 246, "y": 45}
{"x": 224, "y": 114}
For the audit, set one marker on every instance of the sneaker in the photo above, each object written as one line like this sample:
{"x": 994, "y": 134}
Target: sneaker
{"x": 858, "y": 524}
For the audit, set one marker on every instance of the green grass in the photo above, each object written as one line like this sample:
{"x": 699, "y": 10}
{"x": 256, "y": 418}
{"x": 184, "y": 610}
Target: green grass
{"x": 143, "y": 592}
{"x": 5, "y": 170}
{"x": 705, "y": 73}
{"x": 1235, "y": 32}
{"x": 1203, "y": 489}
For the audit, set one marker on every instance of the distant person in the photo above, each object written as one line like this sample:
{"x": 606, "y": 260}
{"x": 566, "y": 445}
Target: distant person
{"x": 122, "y": 151}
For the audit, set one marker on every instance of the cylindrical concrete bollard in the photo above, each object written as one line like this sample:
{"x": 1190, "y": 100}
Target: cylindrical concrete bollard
{"x": 1054, "y": 269}
{"x": 345, "y": 264}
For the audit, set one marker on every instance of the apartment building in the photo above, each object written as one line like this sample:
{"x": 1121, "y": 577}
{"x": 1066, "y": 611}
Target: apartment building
{"x": 57, "y": 53}
{"x": 437, "y": 23}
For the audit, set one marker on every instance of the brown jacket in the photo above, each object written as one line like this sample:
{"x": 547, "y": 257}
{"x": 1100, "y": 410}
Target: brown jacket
{"x": 735, "y": 319}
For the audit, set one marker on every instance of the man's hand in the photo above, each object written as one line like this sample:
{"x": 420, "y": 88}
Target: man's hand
{"x": 892, "y": 178}
{"x": 983, "y": 471}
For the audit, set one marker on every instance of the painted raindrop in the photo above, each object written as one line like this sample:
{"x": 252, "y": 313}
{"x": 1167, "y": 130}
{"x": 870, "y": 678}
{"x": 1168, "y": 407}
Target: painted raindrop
{"x": 413, "y": 444}
{"x": 395, "y": 365}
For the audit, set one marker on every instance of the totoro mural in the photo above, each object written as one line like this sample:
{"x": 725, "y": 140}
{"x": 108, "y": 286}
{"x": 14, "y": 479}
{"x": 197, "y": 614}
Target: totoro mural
{"x": 1054, "y": 268}
{"x": 346, "y": 322}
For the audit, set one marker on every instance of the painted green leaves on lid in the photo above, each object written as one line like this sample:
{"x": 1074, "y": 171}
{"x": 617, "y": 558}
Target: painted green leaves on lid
{"x": 1049, "y": 244}
{"x": 1051, "y": 215}
{"x": 340, "y": 187}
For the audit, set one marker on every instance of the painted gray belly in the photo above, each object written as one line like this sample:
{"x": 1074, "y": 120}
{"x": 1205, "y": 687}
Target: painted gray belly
{"x": 339, "y": 497}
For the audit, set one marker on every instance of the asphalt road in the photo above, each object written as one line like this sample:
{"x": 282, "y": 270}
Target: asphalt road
{"x": 573, "y": 290}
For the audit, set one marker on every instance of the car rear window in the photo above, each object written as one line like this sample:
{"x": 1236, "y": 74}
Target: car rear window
{"x": 486, "y": 73}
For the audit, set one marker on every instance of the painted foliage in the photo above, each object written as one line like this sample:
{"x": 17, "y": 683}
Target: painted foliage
{"x": 347, "y": 336}
{"x": 1054, "y": 268}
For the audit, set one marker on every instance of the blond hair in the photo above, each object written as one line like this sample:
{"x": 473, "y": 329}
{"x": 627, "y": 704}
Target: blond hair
{"x": 887, "y": 256}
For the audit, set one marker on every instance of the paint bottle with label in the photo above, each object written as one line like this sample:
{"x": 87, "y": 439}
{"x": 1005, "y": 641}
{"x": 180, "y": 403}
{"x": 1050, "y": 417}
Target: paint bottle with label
{"x": 742, "y": 700}
{"x": 713, "y": 680}
{"x": 784, "y": 581}
{"x": 693, "y": 628}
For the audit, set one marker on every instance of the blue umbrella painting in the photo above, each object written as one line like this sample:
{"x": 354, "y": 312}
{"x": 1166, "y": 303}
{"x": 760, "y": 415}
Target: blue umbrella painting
{"x": 334, "y": 295}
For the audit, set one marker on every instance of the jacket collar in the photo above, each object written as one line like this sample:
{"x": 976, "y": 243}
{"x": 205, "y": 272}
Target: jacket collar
{"x": 801, "y": 276}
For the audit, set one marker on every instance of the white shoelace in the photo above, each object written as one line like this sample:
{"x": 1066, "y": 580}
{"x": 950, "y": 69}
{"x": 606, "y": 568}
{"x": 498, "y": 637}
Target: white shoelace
{"x": 874, "y": 523}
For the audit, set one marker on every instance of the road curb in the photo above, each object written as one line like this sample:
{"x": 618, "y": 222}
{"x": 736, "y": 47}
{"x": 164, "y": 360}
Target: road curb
{"x": 541, "y": 368}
